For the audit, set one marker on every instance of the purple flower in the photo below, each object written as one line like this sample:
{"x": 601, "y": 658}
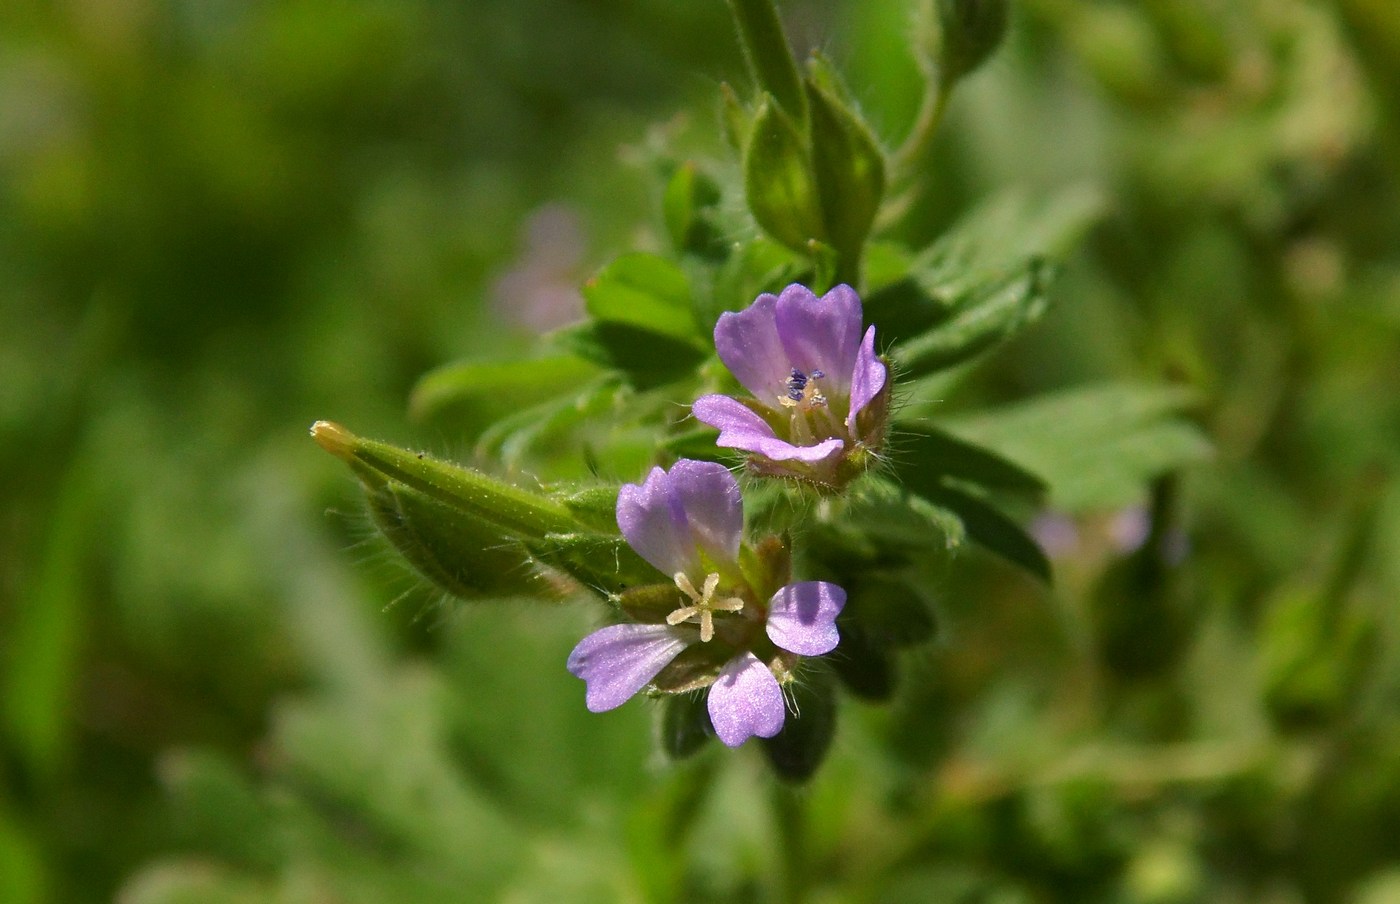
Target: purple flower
{"x": 819, "y": 389}
{"x": 689, "y": 523}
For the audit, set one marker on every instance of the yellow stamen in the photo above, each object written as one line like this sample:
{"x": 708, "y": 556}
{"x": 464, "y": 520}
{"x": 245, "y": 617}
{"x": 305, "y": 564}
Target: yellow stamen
{"x": 704, "y": 604}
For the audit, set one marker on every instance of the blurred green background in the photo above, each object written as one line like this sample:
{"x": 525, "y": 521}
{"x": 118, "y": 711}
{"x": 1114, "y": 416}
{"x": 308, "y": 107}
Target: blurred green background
{"x": 222, "y": 220}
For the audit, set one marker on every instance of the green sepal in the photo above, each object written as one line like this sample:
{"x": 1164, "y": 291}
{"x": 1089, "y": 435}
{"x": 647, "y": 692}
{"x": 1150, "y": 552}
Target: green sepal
{"x": 512, "y": 510}
{"x": 685, "y": 725}
{"x": 645, "y": 291}
{"x": 778, "y": 182}
{"x": 643, "y": 356}
{"x": 600, "y": 561}
{"x": 864, "y": 667}
{"x": 694, "y": 668}
{"x": 890, "y": 612}
{"x": 768, "y": 54}
{"x": 799, "y": 748}
{"x": 594, "y": 507}
{"x": 454, "y": 550}
{"x": 687, "y": 207}
{"x": 849, "y": 167}
{"x": 735, "y": 119}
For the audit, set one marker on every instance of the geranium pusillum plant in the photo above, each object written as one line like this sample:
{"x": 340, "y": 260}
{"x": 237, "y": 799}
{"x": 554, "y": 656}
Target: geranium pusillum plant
{"x": 820, "y": 393}
{"x": 726, "y": 618}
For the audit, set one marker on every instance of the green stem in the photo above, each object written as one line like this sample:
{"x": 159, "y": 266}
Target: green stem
{"x": 790, "y": 813}
{"x": 931, "y": 110}
{"x": 769, "y": 55}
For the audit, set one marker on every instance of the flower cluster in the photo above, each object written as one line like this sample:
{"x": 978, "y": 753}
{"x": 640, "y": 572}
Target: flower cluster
{"x": 724, "y": 621}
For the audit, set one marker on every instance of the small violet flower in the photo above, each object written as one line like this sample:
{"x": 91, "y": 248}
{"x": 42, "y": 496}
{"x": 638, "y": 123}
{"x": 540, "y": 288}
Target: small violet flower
{"x": 820, "y": 393}
{"x": 689, "y": 523}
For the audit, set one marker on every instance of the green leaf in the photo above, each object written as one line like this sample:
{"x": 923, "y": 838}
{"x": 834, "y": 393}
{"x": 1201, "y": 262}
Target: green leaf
{"x": 989, "y": 528}
{"x": 927, "y": 454}
{"x": 644, "y": 357}
{"x": 850, "y": 173}
{"x": 999, "y": 312}
{"x": 496, "y": 384}
{"x": 1097, "y": 446}
{"x": 778, "y": 181}
{"x": 644, "y": 291}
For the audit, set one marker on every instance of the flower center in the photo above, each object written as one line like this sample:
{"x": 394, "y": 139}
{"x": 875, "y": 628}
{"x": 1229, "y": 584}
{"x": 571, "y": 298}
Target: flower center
{"x": 802, "y": 391}
{"x": 703, "y": 604}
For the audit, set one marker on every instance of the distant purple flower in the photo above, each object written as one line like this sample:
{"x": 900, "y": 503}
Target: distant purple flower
{"x": 812, "y": 376}
{"x": 689, "y": 523}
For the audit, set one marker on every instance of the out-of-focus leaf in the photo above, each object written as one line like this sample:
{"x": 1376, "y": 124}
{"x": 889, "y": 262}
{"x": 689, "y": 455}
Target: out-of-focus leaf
{"x": 45, "y": 636}
{"x": 778, "y": 182}
{"x": 926, "y": 455}
{"x": 1096, "y": 446}
{"x": 991, "y": 529}
{"x": 21, "y": 870}
{"x": 498, "y": 384}
{"x": 221, "y": 809}
{"x": 686, "y": 206}
{"x": 645, "y": 357}
{"x": 999, "y": 257}
{"x": 644, "y": 291}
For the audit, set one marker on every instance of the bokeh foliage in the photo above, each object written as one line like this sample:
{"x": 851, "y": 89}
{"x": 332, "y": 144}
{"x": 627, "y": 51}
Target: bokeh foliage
{"x": 220, "y": 221}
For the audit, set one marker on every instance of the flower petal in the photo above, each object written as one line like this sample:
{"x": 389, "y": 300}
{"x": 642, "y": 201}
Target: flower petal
{"x": 748, "y": 344}
{"x": 745, "y": 700}
{"x": 802, "y": 617}
{"x": 619, "y": 660}
{"x": 653, "y": 522}
{"x": 709, "y": 495}
{"x": 821, "y": 333}
{"x": 867, "y": 380}
{"x": 740, "y": 428}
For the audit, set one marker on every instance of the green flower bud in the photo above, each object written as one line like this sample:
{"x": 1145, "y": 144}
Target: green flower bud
{"x": 968, "y": 32}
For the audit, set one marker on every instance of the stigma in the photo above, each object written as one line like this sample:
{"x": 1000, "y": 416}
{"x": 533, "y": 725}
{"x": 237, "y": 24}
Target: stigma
{"x": 703, "y": 604}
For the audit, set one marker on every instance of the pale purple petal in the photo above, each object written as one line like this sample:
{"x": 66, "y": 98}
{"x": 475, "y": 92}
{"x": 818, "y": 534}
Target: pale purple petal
{"x": 802, "y": 617}
{"x": 619, "y": 660}
{"x": 653, "y": 522}
{"x": 745, "y": 700}
{"x": 821, "y": 333}
{"x": 740, "y": 428}
{"x": 748, "y": 344}
{"x": 867, "y": 380}
{"x": 709, "y": 495}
